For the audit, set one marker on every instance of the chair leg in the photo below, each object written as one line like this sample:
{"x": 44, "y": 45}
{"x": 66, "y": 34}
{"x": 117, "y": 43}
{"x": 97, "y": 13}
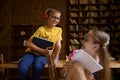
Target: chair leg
{"x": 51, "y": 67}
{"x": 6, "y": 75}
{"x": 3, "y": 74}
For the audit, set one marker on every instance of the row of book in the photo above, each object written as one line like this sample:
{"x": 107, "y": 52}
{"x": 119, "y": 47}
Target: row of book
{"x": 100, "y": 27}
{"x": 81, "y": 34}
{"x": 115, "y": 28}
{"x": 115, "y": 42}
{"x": 92, "y": 1}
{"x": 82, "y": 28}
{"x": 117, "y": 35}
{"x": 115, "y": 1}
{"x": 112, "y": 48}
{"x": 73, "y": 1}
{"x": 74, "y": 36}
{"x": 95, "y": 14}
{"x": 114, "y": 13}
{"x": 82, "y": 21}
{"x": 90, "y": 21}
{"x": 74, "y": 41}
{"x": 117, "y": 20}
{"x": 105, "y": 27}
{"x": 73, "y": 8}
{"x": 73, "y": 47}
{"x": 77, "y": 35}
{"x": 95, "y": 21}
{"x": 73, "y": 21}
{"x": 78, "y": 28}
{"x": 94, "y": 7}
{"x": 115, "y": 50}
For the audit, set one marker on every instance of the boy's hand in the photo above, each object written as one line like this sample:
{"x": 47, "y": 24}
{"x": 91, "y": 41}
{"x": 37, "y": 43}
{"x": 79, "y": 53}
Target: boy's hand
{"x": 47, "y": 51}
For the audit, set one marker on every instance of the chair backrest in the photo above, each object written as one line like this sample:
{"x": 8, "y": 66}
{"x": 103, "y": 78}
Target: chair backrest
{"x": 1, "y": 59}
{"x": 2, "y": 70}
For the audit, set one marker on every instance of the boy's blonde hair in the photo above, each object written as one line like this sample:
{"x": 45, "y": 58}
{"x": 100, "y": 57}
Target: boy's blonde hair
{"x": 50, "y": 11}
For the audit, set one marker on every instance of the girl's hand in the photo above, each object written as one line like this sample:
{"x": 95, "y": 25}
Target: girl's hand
{"x": 89, "y": 75}
{"x": 68, "y": 65}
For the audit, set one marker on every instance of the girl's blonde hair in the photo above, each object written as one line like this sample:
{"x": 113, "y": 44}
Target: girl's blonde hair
{"x": 102, "y": 38}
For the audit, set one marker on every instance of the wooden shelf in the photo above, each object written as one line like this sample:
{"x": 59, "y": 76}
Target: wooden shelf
{"x": 82, "y": 17}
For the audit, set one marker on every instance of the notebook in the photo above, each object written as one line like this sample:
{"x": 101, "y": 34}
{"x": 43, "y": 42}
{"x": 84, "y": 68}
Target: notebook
{"x": 42, "y": 43}
{"x": 87, "y": 61}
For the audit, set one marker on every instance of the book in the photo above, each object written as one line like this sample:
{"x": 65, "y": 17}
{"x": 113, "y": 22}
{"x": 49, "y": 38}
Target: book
{"x": 87, "y": 61}
{"x": 42, "y": 43}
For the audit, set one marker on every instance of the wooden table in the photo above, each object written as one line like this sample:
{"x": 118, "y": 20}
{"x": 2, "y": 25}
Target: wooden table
{"x": 115, "y": 64}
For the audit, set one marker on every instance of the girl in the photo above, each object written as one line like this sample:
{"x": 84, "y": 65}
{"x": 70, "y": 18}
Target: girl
{"x": 95, "y": 43}
{"x": 35, "y": 55}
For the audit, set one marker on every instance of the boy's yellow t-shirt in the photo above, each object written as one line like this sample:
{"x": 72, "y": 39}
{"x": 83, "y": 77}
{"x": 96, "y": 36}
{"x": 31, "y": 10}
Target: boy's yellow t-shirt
{"x": 51, "y": 34}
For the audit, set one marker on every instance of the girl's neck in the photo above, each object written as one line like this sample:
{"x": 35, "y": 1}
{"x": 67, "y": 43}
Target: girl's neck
{"x": 96, "y": 58}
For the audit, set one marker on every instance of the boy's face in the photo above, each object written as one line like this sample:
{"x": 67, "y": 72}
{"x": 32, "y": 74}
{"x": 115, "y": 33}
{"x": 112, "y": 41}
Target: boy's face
{"x": 88, "y": 44}
{"x": 53, "y": 19}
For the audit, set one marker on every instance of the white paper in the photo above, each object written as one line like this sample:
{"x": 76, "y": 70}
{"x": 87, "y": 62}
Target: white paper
{"x": 87, "y": 61}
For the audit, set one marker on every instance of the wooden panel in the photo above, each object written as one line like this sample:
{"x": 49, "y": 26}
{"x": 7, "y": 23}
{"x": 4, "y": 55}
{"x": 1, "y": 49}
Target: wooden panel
{"x": 20, "y": 33}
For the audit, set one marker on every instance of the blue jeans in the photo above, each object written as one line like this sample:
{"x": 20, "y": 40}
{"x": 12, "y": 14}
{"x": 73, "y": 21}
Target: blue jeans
{"x": 37, "y": 62}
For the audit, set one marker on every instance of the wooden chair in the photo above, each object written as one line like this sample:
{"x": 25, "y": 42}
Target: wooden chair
{"x": 2, "y": 70}
{"x": 52, "y": 68}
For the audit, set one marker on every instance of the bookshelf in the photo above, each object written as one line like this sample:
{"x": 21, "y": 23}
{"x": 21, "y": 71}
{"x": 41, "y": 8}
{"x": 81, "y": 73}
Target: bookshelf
{"x": 94, "y": 14}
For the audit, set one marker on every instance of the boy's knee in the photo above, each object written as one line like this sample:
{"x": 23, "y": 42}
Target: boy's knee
{"x": 23, "y": 69}
{"x": 38, "y": 67}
